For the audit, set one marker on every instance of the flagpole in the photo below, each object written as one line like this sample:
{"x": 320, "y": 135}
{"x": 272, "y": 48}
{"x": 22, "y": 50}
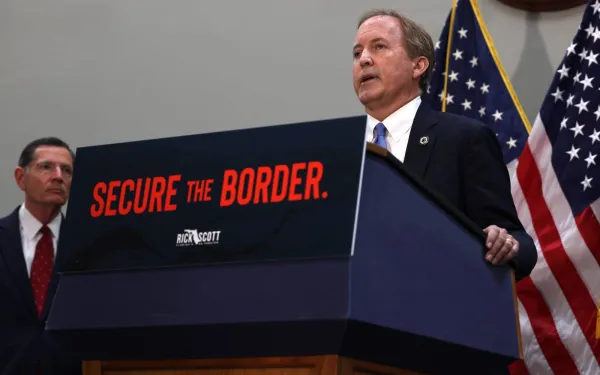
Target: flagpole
{"x": 448, "y": 53}
{"x": 488, "y": 39}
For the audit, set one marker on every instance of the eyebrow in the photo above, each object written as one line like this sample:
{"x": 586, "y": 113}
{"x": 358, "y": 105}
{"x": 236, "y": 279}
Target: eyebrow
{"x": 57, "y": 163}
{"x": 380, "y": 39}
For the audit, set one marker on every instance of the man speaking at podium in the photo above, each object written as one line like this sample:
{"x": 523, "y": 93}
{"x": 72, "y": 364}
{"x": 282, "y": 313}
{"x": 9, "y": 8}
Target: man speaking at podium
{"x": 29, "y": 260}
{"x": 458, "y": 157}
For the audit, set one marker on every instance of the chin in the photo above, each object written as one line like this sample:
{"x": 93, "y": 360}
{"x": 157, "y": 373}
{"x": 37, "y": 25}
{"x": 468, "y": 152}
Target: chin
{"x": 369, "y": 93}
{"x": 366, "y": 98}
{"x": 56, "y": 201}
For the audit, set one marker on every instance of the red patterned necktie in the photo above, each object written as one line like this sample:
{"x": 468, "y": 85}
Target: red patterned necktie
{"x": 41, "y": 268}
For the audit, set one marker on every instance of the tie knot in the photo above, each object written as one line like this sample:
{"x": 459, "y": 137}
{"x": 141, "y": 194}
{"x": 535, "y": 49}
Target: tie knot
{"x": 45, "y": 231}
{"x": 380, "y": 129}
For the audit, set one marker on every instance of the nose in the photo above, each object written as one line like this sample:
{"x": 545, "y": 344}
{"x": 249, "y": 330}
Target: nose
{"x": 365, "y": 59}
{"x": 58, "y": 173}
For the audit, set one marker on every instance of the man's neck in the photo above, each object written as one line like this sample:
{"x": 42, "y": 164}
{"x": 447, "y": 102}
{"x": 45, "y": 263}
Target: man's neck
{"x": 381, "y": 112}
{"x": 44, "y": 213}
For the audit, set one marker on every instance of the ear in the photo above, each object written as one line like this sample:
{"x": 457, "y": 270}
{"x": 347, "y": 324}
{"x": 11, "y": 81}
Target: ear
{"x": 420, "y": 65}
{"x": 20, "y": 177}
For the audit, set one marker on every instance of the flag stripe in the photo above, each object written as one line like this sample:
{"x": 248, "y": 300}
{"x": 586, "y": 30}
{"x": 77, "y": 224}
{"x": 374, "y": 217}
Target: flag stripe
{"x": 531, "y": 350}
{"x": 542, "y": 325}
{"x": 566, "y": 275}
{"x": 596, "y": 208}
{"x": 518, "y": 368}
{"x": 570, "y": 336}
{"x": 588, "y": 226}
{"x": 544, "y": 329}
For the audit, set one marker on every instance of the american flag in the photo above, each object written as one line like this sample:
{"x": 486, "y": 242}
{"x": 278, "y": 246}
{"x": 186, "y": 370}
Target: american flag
{"x": 555, "y": 176}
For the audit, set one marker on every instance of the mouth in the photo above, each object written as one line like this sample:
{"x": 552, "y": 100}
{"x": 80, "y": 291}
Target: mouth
{"x": 367, "y": 78}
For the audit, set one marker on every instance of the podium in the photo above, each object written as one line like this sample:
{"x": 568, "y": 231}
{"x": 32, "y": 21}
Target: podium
{"x": 357, "y": 268}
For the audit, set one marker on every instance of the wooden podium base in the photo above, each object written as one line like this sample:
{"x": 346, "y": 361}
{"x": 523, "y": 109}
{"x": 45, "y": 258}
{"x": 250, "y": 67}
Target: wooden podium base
{"x": 318, "y": 365}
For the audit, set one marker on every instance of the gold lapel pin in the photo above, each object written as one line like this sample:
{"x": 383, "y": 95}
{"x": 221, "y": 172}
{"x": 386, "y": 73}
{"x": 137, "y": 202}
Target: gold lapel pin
{"x": 424, "y": 140}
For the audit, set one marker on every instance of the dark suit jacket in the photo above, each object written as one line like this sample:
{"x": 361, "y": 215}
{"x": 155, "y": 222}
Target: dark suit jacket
{"x": 24, "y": 344}
{"x": 462, "y": 161}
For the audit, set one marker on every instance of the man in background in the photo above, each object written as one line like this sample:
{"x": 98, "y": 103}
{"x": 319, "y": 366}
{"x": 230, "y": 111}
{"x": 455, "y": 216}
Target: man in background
{"x": 28, "y": 262}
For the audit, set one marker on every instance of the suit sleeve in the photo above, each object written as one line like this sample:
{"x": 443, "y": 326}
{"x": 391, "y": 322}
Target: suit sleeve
{"x": 488, "y": 195}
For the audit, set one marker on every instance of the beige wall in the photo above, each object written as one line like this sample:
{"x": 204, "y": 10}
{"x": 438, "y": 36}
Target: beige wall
{"x": 98, "y": 71}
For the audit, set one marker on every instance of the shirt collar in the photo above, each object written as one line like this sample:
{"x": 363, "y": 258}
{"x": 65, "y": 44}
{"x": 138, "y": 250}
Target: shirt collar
{"x": 399, "y": 122}
{"x": 31, "y": 226}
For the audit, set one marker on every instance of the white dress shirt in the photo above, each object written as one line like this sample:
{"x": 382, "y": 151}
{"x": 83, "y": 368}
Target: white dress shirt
{"x": 30, "y": 233}
{"x": 398, "y": 126}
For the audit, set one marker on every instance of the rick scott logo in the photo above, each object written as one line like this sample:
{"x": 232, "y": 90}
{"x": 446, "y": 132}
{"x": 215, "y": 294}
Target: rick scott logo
{"x": 194, "y": 237}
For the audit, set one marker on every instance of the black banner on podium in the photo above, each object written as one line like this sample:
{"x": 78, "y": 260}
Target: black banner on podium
{"x": 268, "y": 193}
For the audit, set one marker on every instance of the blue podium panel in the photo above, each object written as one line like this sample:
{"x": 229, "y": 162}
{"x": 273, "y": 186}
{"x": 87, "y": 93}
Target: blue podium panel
{"x": 419, "y": 268}
{"x": 250, "y": 292}
{"x": 279, "y": 308}
{"x": 273, "y": 192}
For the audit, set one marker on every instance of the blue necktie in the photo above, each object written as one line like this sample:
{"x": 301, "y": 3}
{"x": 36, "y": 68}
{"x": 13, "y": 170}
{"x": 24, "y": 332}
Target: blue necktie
{"x": 380, "y": 137}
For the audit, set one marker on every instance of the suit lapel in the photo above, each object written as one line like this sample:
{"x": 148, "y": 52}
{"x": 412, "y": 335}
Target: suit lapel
{"x": 11, "y": 249}
{"x": 421, "y": 140}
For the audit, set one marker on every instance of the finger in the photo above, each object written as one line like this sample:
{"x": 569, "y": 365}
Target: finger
{"x": 492, "y": 235}
{"x": 513, "y": 252}
{"x": 503, "y": 257}
{"x": 498, "y": 243}
{"x": 503, "y": 252}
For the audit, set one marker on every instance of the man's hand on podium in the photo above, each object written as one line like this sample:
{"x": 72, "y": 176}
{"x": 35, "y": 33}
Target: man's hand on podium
{"x": 502, "y": 247}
